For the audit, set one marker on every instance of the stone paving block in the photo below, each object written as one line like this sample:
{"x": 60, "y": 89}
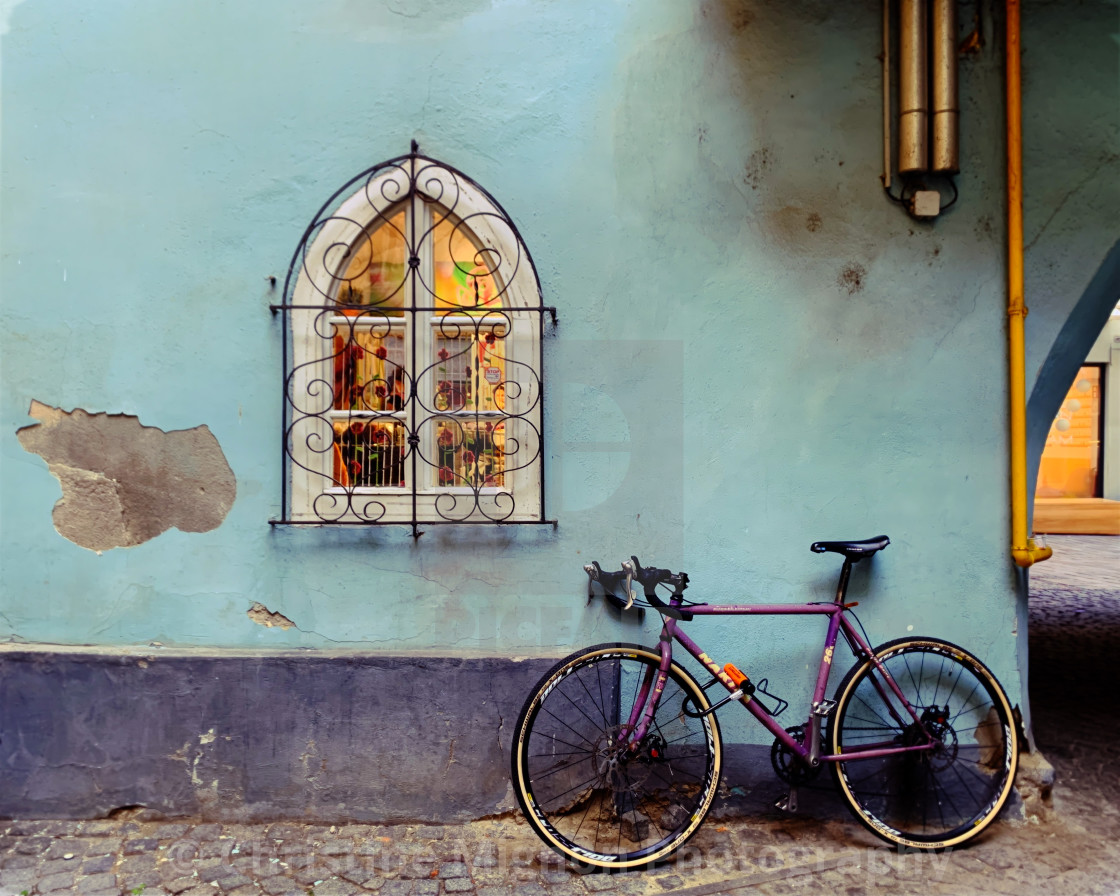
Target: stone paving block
{"x": 395, "y": 888}
{"x": 215, "y": 849}
{"x": 169, "y": 831}
{"x": 54, "y": 882}
{"x": 200, "y": 890}
{"x": 259, "y": 866}
{"x": 66, "y": 849}
{"x": 458, "y": 885}
{"x": 95, "y": 886}
{"x": 138, "y": 862}
{"x": 354, "y": 830}
{"x": 215, "y": 871}
{"x": 285, "y": 832}
{"x": 309, "y": 877}
{"x": 140, "y": 845}
{"x": 18, "y": 879}
{"x": 179, "y": 884}
{"x": 530, "y": 888}
{"x": 233, "y": 882}
{"x": 26, "y": 828}
{"x": 240, "y": 832}
{"x": 205, "y": 832}
{"x": 570, "y": 888}
{"x": 336, "y": 847}
{"x": 425, "y": 888}
{"x": 15, "y": 860}
{"x": 453, "y": 869}
{"x": 416, "y": 872}
{"x": 33, "y": 846}
{"x": 98, "y": 864}
{"x": 58, "y": 866}
{"x": 596, "y": 883}
{"x": 335, "y": 887}
{"x": 104, "y": 827}
{"x": 143, "y": 881}
{"x": 281, "y": 886}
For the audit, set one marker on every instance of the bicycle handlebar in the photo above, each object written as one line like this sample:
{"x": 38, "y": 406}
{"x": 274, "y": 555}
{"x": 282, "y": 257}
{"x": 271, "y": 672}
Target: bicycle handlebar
{"x": 618, "y": 585}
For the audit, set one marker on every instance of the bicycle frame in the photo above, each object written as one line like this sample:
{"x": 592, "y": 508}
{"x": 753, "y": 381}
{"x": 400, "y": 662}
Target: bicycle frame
{"x": 642, "y": 712}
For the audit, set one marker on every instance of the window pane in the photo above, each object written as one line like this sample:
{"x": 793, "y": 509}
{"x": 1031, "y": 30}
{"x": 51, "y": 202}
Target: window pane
{"x": 369, "y": 454}
{"x": 377, "y": 266}
{"x": 470, "y": 453}
{"x": 369, "y": 368}
{"x": 470, "y": 368}
{"x": 463, "y": 270}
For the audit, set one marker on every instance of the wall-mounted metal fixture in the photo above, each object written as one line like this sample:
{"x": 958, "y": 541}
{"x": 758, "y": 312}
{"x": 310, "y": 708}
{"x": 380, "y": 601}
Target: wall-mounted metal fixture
{"x": 928, "y": 105}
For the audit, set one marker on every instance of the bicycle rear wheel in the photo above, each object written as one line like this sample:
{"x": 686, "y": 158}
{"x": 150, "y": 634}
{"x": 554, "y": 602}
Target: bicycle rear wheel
{"x": 595, "y": 802}
{"x": 935, "y": 798}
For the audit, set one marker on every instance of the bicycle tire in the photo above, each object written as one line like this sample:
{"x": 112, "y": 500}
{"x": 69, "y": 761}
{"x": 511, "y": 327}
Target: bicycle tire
{"x": 935, "y": 799}
{"x": 621, "y": 812}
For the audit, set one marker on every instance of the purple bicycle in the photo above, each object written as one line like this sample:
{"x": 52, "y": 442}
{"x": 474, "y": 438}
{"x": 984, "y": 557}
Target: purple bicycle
{"x": 617, "y": 752}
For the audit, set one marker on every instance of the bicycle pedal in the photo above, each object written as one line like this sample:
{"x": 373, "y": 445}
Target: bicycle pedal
{"x": 788, "y": 803}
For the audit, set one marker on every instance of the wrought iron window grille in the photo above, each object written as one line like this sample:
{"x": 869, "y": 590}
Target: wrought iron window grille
{"x": 413, "y": 324}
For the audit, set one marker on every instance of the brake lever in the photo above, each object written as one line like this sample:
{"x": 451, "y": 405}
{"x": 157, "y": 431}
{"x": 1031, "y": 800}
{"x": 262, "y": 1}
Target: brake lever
{"x": 628, "y": 568}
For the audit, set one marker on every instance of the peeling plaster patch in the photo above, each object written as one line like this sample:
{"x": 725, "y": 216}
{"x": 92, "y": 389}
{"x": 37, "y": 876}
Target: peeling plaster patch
{"x": 262, "y": 615}
{"x": 124, "y": 483}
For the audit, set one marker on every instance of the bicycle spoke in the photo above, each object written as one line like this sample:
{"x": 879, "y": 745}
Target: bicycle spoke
{"x": 949, "y": 789}
{"x": 621, "y": 801}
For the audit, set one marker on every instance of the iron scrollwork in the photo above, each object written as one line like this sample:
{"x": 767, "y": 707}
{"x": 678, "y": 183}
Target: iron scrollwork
{"x": 413, "y": 390}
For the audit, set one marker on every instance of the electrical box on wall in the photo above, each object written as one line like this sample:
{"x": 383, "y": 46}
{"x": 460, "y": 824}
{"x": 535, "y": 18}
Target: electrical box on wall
{"x": 925, "y": 204}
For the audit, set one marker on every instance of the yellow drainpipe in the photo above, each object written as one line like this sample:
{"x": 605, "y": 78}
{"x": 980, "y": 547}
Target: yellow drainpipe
{"x": 1023, "y": 548}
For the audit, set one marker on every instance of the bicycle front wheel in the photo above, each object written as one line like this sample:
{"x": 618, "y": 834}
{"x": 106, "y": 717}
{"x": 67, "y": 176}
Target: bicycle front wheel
{"x": 927, "y": 798}
{"x": 590, "y": 796}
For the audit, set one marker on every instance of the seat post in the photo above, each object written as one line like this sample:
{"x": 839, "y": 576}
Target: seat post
{"x": 845, "y": 574}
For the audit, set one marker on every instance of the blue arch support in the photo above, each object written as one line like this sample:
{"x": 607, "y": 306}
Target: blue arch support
{"x": 1080, "y": 331}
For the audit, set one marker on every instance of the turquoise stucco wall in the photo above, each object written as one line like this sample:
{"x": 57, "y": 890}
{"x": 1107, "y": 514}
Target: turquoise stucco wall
{"x": 791, "y": 357}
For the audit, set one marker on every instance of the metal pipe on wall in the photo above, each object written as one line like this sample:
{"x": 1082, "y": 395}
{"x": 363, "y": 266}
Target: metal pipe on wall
{"x": 913, "y": 87}
{"x": 1023, "y": 548}
{"x": 945, "y": 153}
{"x": 887, "y": 94}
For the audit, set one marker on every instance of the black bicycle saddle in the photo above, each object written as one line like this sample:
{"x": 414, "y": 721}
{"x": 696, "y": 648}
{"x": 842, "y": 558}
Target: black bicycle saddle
{"x": 853, "y": 550}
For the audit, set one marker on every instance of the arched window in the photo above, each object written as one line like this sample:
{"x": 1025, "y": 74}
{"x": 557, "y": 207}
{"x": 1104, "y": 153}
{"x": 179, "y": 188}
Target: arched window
{"x": 412, "y": 363}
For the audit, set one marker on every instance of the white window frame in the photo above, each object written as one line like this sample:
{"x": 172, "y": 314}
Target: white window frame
{"x": 429, "y": 189}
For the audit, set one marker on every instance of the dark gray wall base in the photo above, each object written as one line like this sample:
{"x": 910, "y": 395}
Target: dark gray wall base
{"x": 320, "y": 737}
{"x": 323, "y": 737}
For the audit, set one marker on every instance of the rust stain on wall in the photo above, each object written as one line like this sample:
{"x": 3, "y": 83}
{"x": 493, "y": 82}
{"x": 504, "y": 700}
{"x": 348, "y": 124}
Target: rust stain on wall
{"x": 124, "y": 483}
{"x": 852, "y": 277}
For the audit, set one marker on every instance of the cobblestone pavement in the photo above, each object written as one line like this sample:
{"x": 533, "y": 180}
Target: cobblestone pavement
{"x": 1072, "y": 848}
